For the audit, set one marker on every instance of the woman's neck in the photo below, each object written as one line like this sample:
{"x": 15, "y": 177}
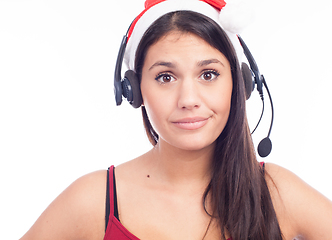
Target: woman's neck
{"x": 180, "y": 167}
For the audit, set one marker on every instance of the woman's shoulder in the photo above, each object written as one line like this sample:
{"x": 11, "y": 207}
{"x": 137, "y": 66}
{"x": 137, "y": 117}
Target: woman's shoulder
{"x": 77, "y": 213}
{"x": 301, "y": 210}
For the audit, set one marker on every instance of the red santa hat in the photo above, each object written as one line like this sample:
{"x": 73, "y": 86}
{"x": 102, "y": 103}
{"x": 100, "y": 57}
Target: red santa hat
{"x": 233, "y": 16}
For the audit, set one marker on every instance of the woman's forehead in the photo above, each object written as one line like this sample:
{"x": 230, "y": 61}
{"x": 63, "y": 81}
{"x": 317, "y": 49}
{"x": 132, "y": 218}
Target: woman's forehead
{"x": 177, "y": 45}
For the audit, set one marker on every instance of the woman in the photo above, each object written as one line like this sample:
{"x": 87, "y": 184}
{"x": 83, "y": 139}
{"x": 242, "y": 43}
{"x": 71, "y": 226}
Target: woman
{"x": 201, "y": 180}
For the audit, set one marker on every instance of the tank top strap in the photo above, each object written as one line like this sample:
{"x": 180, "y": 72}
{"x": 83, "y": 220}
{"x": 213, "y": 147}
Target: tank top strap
{"x": 262, "y": 164}
{"x": 109, "y": 196}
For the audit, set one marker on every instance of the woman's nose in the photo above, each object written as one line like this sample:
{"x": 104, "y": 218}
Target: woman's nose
{"x": 188, "y": 94}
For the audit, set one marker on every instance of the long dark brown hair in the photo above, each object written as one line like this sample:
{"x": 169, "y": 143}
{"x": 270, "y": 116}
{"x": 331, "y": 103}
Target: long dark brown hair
{"x": 239, "y": 195}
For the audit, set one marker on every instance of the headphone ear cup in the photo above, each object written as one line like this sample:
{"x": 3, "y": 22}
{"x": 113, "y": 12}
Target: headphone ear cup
{"x": 131, "y": 89}
{"x": 249, "y": 83}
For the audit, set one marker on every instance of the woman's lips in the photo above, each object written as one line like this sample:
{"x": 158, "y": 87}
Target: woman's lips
{"x": 191, "y": 123}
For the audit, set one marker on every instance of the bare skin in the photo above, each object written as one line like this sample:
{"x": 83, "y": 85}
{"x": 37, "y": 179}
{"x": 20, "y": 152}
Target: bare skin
{"x": 301, "y": 210}
{"x": 160, "y": 193}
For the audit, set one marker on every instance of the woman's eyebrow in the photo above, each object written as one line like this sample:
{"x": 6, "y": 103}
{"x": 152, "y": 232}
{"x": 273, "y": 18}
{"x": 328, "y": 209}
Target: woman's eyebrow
{"x": 172, "y": 65}
{"x": 208, "y": 61}
{"x": 161, "y": 63}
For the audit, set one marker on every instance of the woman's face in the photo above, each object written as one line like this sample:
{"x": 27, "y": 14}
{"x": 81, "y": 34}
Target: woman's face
{"x": 186, "y": 87}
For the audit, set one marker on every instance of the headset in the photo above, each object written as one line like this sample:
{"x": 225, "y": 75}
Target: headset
{"x": 129, "y": 87}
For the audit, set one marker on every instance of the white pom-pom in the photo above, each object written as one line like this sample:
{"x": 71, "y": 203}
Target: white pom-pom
{"x": 237, "y": 15}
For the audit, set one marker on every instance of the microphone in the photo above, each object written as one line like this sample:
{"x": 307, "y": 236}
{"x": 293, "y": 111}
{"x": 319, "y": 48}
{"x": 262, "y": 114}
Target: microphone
{"x": 265, "y": 146}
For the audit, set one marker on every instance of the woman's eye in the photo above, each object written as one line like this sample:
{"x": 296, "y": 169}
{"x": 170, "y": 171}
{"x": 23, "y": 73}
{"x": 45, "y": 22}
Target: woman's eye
{"x": 164, "y": 78}
{"x": 209, "y": 75}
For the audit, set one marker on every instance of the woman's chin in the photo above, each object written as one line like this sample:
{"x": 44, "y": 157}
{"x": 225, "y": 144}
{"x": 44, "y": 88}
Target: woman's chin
{"x": 192, "y": 144}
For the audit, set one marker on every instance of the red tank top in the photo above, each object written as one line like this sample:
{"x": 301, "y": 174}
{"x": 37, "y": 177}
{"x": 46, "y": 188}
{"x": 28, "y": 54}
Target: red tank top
{"x": 115, "y": 230}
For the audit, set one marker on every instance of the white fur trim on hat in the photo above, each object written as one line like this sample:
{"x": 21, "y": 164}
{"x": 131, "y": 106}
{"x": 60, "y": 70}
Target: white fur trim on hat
{"x": 236, "y": 15}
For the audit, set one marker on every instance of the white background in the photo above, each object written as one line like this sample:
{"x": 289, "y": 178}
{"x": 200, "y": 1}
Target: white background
{"x": 58, "y": 119}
